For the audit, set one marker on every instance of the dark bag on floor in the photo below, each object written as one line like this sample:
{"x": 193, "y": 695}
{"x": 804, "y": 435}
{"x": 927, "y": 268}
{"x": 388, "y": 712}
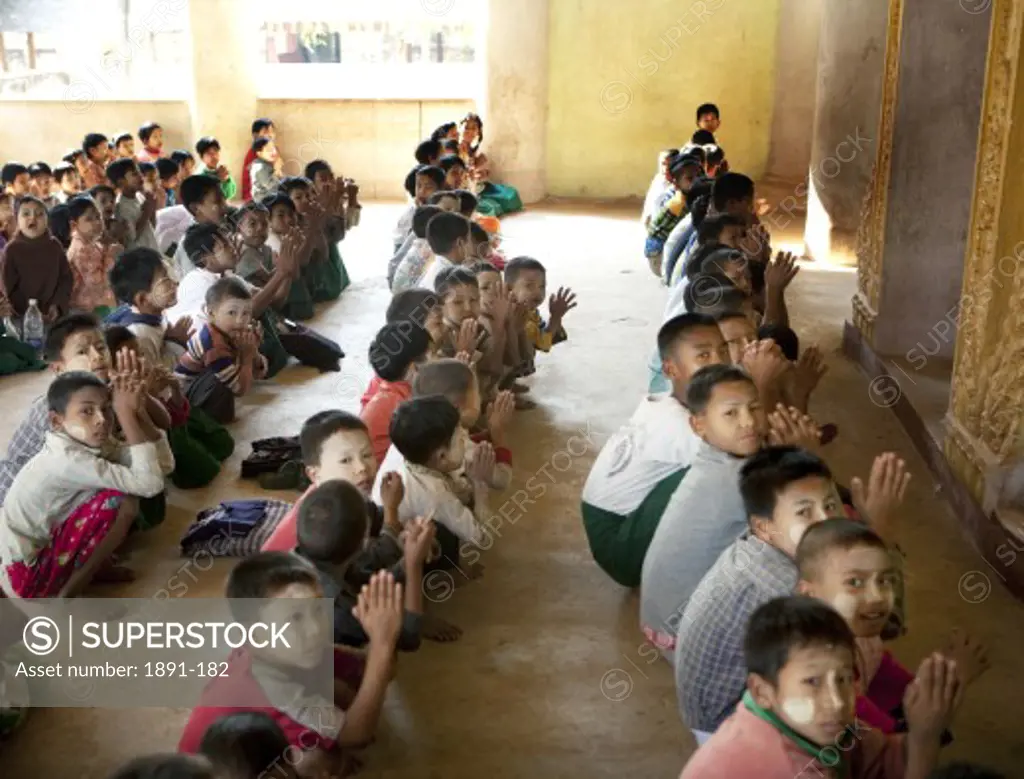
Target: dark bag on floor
{"x": 214, "y": 397}
{"x": 269, "y": 455}
{"x": 310, "y": 348}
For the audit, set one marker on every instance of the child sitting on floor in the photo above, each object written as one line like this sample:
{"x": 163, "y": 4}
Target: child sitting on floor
{"x": 70, "y": 507}
{"x": 395, "y": 355}
{"x": 427, "y": 448}
{"x": 660, "y": 185}
{"x": 457, "y": 382}
{"x": 35, "y": 266}
{"x": 499, "y": 318}
{"x": 848, "y": 566}
{"x": 151, "y": 184}
{"x": 321, "y": 217}
{"x": 168, "y": 172}
{"x": 208, "y": 151}
{"x": 202, "y": 202}
{"x": 684, "y": 171}
{"x": 640, "y": 466}
{"x": 705, "y": 513}
{"x": 526, "y": 280}
{"x": 222, "y": 358}
{"x": 273, "y": 575}
{"x": 68, "y": 181}
{"x": 186, "y": 163}
{"x": 255, "y": 258}
{"x": 797, "y": 715}
{"x": 91, "y": 258}
{"x": 263, "y": 171}
{"x": 450, "y": 240}
{"x": 408, "y": 265}
{"x": 333, "y": 531}
{"x": 455, "y": 171}
{"x": 422, "y": 182}
{"x": 429, "y": 152}
{"x": 421, "y": 307}
{"x": 137, "y": 219}
{"x": 459, "y": 293}
{"x": 282, "y": 226}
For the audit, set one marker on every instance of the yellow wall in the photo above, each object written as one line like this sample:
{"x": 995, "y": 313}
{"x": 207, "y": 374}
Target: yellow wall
{"x": 370, "y": 141}
{"x": 625, "y": 79}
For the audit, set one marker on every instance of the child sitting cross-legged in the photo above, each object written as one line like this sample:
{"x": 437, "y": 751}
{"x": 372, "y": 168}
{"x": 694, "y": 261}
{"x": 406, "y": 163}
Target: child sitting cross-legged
{"x": 427, "y": 450}
{"x": 848, "y": 566}
{"x": 797, "y": 715}
{"x": 640, "y": 466}
{"x": 333, "y": 531}
{"x": 136, "y": 218}
{"x": 35, "y": 266}
{"x": 336, "y": 446}
{"x": 202, "y": 202}
{"x": 395, "y": 355}
{"x": 282, "y": 682}
{"x": 411, "y": 260}
{"x": 72, "y": 504}
{"x": 91, "y": 258}
{"x": 321, "y": 218}
{"x": 222, "y": 357}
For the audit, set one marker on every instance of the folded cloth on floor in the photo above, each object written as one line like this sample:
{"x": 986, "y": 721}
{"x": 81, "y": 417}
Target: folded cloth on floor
{"x": 235, "y": 528}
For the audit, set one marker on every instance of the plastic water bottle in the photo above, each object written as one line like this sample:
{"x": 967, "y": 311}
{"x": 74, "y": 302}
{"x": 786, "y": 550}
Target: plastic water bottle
{"x": 35, "y": 332}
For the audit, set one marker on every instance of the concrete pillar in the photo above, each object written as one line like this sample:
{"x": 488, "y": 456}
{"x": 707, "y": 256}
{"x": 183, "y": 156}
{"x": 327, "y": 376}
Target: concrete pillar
{"x": 225, "y": 68}
{"x": 796, "y": 77}
{"x": 850, "y": 55}
{"x": 513, "y": 100}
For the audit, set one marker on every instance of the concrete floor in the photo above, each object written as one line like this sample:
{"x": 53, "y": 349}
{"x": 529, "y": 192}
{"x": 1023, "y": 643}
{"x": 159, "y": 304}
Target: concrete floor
{"x": 551, "y": 678}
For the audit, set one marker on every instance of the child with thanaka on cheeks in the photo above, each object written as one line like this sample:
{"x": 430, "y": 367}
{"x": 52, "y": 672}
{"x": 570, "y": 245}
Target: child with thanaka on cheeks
{"x": 797, "y": 716}
{"x": 274, "y": 587}
{"x": 848, "y": 566}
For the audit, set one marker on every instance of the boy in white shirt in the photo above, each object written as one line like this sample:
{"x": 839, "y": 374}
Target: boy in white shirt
{"x": 422, "y": 182}
{"x": 203, "y": 202}
{"x": 70, "y": 507}
{"x": 427, "y": 448}
{"x": 450, "y": 239}
{"x": 641, "y": 465}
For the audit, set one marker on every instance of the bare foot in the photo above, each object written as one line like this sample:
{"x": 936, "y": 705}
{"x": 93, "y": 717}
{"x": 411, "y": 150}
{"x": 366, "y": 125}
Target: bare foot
{"x": 436, "y": 629}
{"x": 112, "y": 573}
{"x": 971, "y": 656}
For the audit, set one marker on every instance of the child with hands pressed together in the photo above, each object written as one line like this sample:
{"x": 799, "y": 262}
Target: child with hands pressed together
{"x": 73, "y": 503}
{"x": 91, "y": 257}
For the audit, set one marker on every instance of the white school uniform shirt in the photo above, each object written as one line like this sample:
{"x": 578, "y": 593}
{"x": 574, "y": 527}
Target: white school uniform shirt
{"x": 438, "y": 264}
{"x": 65, "y": 474}
{"x": 153, "y": 343}
{"x": 404, "y": 226}
{"x": 655, "y": 443}
{"x": 192, "y": 291}
{"x": 428, "y": 491}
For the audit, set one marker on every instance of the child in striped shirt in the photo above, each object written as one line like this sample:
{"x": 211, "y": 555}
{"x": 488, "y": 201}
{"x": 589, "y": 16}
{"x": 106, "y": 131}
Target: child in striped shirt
{"x": 223, "y": 354}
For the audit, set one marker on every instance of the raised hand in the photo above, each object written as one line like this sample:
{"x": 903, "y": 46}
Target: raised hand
{"x": 791, "y": 427}
{"x": 379, "y": 608}
{"x": 502, "y": 303}
{"x": 180, "y": 330}
{"x": 223, "y": 173}
{"x": 765, "y": 363}
{"x": 807, "y": 373}
{"x": 287, "y": 259}
{"x": 561, "y": 303}
{"x": 884, "y": 492}
{"x": 466, "y": 340}
{"x": 392, "y": 491}
{"x": 931, "y": 699}
{"x": 481, "y": 466}
{"x": 502, "y": 408}
{"x": 419, "y": 540}
{"x": 779, "y": 274}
